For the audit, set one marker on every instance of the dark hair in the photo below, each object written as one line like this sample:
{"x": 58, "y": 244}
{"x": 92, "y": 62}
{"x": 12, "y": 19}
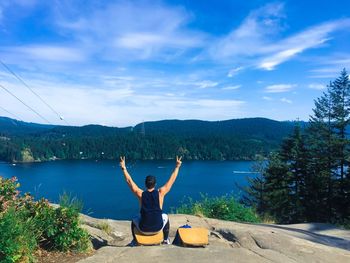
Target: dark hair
{"x": 150, "y": 181}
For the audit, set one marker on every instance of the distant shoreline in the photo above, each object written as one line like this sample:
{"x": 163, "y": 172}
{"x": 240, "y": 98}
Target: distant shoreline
{"x": 131, "y": 160}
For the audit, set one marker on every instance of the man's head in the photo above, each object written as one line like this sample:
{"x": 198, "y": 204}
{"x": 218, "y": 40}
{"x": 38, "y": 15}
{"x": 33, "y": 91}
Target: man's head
{"x": 150, "y": 181}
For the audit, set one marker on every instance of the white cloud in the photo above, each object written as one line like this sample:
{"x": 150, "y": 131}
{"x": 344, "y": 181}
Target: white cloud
{"x": 271, "y": 62}
{"x": 309, "y": 38}
{"x": 251, "y": 37}
{"x": 330, "y": 66}
{"x": 316, "y": 86}
{"x": 131, "y": 30}
{"x": 256, "y": 41}
{"x": 326, "y": 70}
{"x": 278, "y": 88}
{"x": 232, "y": 87}
{"x": 206, "y": 84}
{"x": 285, "y": 100}
{"x": 114, "y": 104}
{"x": 323, "y": 76}
{"x": 267, "y": 98}
{"x": 44, "y": 53}
{"x": 234, "y": 72}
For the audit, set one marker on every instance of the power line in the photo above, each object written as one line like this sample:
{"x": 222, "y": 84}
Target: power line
{"x": 13, "y": 95}
{"x": 13, "y": 115}
{"x": 36, "y": 94}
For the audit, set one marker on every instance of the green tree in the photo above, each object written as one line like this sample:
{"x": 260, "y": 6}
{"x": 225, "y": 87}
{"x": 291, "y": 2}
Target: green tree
{"x": 294, "y": 154}
{"x": 339, "y": 92}
{"x": 322, "y": 161}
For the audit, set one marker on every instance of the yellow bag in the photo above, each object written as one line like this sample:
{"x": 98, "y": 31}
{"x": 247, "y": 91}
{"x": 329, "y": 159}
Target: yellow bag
{"x": 194, "y": 237}
{"x": 148, "y": 240}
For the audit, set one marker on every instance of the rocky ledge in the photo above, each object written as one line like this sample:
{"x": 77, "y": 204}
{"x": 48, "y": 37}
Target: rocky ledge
{"x": 228, "y": 242}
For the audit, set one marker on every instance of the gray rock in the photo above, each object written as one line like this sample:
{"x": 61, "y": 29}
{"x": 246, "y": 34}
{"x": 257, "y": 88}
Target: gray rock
{"x": 228, "y": 242}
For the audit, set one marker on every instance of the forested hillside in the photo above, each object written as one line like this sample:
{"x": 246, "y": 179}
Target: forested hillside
{"x": 194, "y": 139}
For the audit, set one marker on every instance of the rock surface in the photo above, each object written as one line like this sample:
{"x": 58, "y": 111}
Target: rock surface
{"x": 228, "y": 242}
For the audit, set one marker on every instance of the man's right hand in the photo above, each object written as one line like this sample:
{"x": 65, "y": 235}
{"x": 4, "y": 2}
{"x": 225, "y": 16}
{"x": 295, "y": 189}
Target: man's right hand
{"x": 122, "y": 162}
{"x": 178, "y": 161}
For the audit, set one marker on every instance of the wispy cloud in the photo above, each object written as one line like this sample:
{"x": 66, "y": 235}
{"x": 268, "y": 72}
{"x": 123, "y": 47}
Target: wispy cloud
{"x": 46, "y": 53}
{"x": 309, "y": 38}
{"x": 279, "y": 88}
{"x": 117, "y": 100}
{"x": 285, "y": 100}
{"x": 250, "y": 38}
{"x": 232, "y": 87}
{"x": 317, "y": 86}
{"x": 330, "y": 66}
{"x": 132, "y": 30}
{"x": 234, "y": 71}
{"x": 257, "y": 42}
{"x": 206, "y": 84}
{"x": 267, "y": 98}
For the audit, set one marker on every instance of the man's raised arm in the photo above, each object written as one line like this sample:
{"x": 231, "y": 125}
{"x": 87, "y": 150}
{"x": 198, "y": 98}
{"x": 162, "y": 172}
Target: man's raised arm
{"x": 166, "y": 188}
{"x": 133, "y": 187}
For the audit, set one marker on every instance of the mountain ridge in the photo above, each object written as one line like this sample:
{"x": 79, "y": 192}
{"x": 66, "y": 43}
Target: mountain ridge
{"x": 13, "y": 126}
{"x": 235, "y": 139}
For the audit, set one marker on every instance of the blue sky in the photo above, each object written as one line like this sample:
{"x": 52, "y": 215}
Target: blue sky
{"x": 119, "y": 63}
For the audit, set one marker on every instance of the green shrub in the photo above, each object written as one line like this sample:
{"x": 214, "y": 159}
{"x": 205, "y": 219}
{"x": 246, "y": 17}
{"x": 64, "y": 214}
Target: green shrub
{"x": 64, "y": 232}
{"x": 17, "y": 242}
{"x": 224, "y": 207}
{"x": 25, "y": 224}
{"x": 8, "y": 193}
{"x": 60, "y": 227}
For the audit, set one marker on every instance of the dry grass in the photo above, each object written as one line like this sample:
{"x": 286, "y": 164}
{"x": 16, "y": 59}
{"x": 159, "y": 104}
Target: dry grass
{"x": 104, "y": 226}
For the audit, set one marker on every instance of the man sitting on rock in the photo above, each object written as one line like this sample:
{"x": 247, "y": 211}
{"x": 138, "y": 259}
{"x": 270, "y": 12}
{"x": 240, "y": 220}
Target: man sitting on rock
{"x": 152, "y": 219}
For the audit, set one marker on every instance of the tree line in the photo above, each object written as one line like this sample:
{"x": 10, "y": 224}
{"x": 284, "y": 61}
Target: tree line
{"x": 134, "y": 146}
{"x": 308, "y": 178}
{"x": 194, "y": 140}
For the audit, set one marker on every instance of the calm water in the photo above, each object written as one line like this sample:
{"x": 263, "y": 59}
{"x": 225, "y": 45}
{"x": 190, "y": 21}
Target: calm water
{"x": 101, "y": 186}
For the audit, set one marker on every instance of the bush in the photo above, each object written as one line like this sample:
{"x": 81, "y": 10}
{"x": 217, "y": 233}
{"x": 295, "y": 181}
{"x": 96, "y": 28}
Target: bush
{"x": 8, "y": 193}
{"x": 59, "y": 228}
{"x": 25, "y": 224}
{"x": 64, "y": 233}
{"x": 17, "y": 242}
{"x": 224, "y": 207}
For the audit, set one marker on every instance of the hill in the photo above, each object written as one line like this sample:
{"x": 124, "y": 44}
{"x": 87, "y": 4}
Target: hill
{"x": 12, "y": 127}
{"x": 194, "y": 139}
{"x": 248, "y": 127}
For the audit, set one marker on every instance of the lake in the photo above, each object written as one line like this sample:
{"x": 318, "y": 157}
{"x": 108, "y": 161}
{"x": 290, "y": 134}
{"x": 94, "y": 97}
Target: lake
{"x": 104, "y": 192}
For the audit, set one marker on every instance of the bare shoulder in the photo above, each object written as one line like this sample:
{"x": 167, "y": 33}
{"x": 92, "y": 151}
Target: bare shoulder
{"x": 162, "y": 191}
{"x": 138, "y": 193}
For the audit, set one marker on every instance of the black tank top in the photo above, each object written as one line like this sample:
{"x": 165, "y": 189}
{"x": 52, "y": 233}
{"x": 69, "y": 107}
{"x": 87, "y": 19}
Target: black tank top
{"x": 151, "y": 214}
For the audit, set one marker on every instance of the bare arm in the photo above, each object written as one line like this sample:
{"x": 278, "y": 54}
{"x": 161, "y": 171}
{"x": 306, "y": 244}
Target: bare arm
{"x": 166, "y": 188}
{"x": 133, "y": 187}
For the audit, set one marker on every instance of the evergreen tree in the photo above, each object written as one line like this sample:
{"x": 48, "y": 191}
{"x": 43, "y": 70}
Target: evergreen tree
{"x": 277, "y": 178}
{"x": 322, "y": 161}
{"x": 339, "y": 91}
{"x": 254, "y": 194}
{"x": 285, "y": 180}
{"x": 294, "y": 154}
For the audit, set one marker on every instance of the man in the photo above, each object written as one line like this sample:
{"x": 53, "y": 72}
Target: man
{"x": 152, "y": 219}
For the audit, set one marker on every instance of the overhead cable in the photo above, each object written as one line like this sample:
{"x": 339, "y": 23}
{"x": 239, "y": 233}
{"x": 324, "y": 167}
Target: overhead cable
{"x": 36, "y": 94}
{"x": 13, "y": 95}
{"x": 12, "y": 114}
